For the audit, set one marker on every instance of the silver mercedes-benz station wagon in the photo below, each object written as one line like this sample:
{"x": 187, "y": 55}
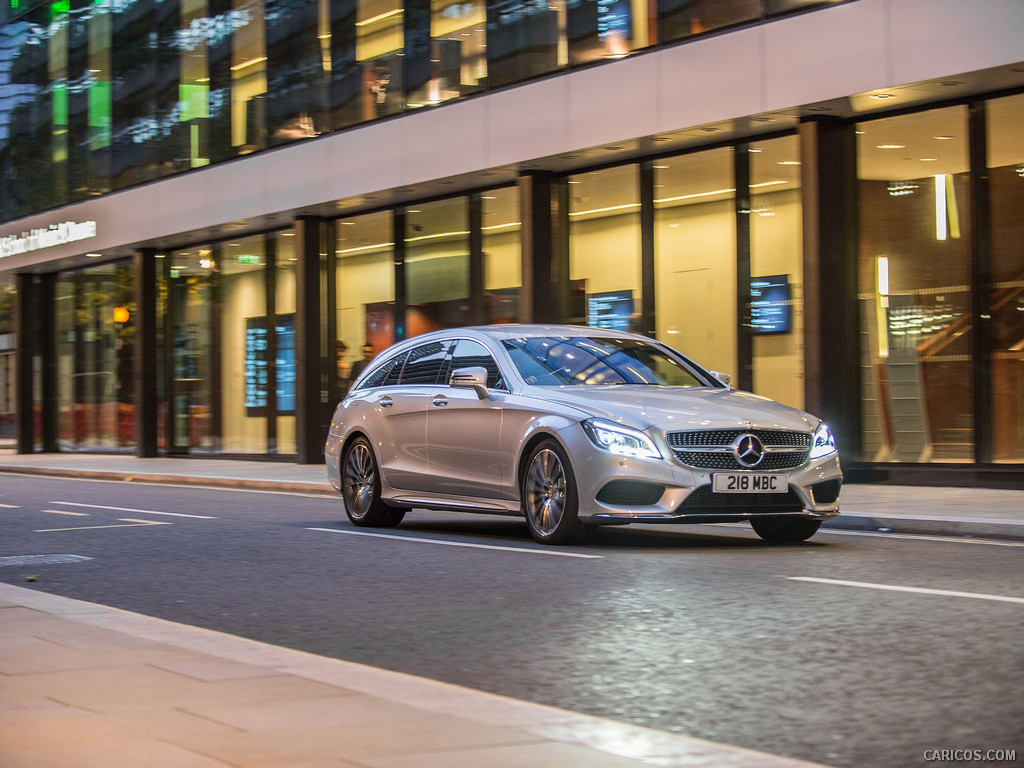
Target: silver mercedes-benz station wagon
{"x": 569, "y": 427}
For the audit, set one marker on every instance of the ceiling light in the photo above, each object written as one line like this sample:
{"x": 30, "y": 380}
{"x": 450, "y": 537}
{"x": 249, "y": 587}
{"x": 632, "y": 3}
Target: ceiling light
{"x": 883, "y": 96}
{"x": 890, "y": 146}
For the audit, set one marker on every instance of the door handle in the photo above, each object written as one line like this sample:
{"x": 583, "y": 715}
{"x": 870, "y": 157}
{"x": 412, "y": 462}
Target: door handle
{"x": 386, "y": 401}
{"x": 440, "y": 401}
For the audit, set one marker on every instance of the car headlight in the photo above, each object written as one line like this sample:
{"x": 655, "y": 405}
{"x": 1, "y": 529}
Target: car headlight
{"x": 621, "y": 440}
{"x": 822, "y": 442}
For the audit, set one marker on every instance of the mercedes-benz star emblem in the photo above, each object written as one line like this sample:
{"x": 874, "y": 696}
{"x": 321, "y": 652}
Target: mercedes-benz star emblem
{"x": 748, "y": 449}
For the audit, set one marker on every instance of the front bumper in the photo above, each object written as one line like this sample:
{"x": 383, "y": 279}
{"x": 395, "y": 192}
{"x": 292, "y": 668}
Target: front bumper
{"x": 619, "y": 489}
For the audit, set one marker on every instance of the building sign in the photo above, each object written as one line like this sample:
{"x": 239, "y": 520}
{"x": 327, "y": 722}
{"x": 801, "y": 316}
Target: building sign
{"x": 38, "y": 239}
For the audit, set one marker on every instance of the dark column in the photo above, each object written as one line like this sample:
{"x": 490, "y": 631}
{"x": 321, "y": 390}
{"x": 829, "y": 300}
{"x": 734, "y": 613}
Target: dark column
{"x": 543, "y": 200}
{"x": 401, "y": 293}
{"x": 147, "y": 393}
{"x": 25, "y": 333}
{"x": 310, "y": 395}
{"x": 828, "y": 152}
{"x": 216, "y": 378}
{"x": 648, "y": 283}
{"x": 46, "y": 317}
{"x": 270, "y": 289}
{"x": 744, "y": 326}
{"x": 477, "y": 305}
{"x": 981, "y": 280}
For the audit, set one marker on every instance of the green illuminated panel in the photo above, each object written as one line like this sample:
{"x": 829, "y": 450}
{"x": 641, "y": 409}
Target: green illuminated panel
{"x": 194, "y": 101}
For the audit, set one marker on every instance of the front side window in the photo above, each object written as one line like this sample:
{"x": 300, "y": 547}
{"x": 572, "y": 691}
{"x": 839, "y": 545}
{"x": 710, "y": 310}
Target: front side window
{"x": 473, "y": 354}
{"x": 555, "y": 361}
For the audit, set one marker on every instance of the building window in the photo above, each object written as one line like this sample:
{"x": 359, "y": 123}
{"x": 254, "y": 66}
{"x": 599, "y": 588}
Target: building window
{"x": 600, "y": 30}
{"x": 502, "y": 254}
{"x": 365, "y": 290}
{"x": 380, "y": 48}
{"x": 525, "y": 39}
{"x": 695, "y": 256}
{"x": 914, "y": 289}
{"x": 1005, "y": 292}
{"x": 776, "y": 269}
{"x": 437, "y": 266}
{"x": 457, "y": 50}
{"x": 604, "y": 248}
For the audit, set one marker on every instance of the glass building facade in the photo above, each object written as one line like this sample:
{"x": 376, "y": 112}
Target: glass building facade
{"x": 863, "y": 265}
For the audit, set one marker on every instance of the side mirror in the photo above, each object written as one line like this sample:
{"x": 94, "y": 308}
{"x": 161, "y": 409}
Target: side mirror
{"x": 474, "y": 378}
{"x": 725, "y": 378}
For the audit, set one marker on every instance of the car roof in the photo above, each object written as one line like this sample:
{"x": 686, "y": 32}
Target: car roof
{"x": 521, "y": 330}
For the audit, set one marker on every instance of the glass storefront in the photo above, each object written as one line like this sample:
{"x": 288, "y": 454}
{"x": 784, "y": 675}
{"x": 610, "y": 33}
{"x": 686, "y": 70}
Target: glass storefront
{"x": 502, "y": 254}
{"x": 604, "y": 248}
{"x": 695, "y": 256}
{"x": 915, "y": 287}
{"x": 1005, "y": 291}
{"x": 776, "y": 270}
{"x": 723, "y": 258}
{"x": 95, "y": 358}
{"x": 437, "y": 266}
{"x": 365, "y": 290}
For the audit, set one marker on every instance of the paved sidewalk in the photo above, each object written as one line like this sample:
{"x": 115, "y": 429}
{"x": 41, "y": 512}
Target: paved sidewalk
{"x": 978, "y": 512}
{"x": 86, "y": 686}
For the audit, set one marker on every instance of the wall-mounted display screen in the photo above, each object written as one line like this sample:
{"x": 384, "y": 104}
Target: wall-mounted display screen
{"x": 256, "y": 376}
{"x": 611, "y": 309}
{"x": 771, "y": 304}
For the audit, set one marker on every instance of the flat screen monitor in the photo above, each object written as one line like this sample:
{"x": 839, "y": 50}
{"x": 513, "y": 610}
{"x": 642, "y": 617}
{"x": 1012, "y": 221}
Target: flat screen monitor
{"x": 771, "y": 304}
{"x": 611, "y": 309}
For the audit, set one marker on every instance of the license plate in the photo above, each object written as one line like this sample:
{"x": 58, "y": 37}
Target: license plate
{"x": 750, "y": 482}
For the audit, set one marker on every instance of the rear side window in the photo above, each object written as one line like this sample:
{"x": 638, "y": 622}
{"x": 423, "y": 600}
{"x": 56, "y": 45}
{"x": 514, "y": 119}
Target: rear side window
{"x": 473, "y": 354}
{"x": 425, "y": 363}
{"x": 386, "y": 373}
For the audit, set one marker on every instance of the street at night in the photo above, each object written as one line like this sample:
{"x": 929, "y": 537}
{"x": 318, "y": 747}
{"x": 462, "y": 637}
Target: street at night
{"x": 854, "y": 649}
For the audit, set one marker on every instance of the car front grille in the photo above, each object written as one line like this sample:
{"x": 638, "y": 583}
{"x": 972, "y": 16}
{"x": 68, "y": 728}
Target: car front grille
{"x": 710, "y": 448}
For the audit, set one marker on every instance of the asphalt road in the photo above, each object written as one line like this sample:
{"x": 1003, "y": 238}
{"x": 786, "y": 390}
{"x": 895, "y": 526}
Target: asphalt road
{"x": 705, "y": 631}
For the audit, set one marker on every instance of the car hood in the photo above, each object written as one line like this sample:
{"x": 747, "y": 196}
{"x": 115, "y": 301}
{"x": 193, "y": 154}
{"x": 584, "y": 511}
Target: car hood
{"x": 677, "y": 408}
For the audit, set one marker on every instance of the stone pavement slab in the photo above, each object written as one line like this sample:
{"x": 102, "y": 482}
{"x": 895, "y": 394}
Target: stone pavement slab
{"x": 83, "y": 685}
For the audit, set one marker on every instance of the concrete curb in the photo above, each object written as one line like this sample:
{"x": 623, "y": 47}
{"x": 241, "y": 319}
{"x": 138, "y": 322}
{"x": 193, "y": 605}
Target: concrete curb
{"x": 927, "y": 526}
{"x": 197, "y": 480}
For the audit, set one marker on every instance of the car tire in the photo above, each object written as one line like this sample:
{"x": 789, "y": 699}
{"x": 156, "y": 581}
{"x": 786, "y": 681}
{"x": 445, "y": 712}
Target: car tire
{"x": 360, "y": 488}
{"x": 550, "y": 500}
{"x": 784, "y": 530}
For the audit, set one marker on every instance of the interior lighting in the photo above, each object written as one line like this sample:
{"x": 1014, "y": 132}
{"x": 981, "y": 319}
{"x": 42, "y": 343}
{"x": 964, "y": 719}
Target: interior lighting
{"x": 882, "y": 304}
{"x": 380, "y": 17}
{"x": 890, "y": 146}
{"x": 941, "y": 222}
{"x": 121, "y": 315}
{"x": 249, "y": 63}
{"x": 883, "y": 96}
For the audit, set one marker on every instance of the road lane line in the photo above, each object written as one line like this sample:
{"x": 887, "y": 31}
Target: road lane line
{"x": 10, "y": 506}
{"x": 915, "y": 590}
{"x": 130, "y": 524}
{"x": 135, "y": 511}
{"x": 65, "y": 512}
{"x": 459, "y": 543}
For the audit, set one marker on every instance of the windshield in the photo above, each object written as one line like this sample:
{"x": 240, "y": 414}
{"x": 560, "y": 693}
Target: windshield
{"x": 557, "y": 360}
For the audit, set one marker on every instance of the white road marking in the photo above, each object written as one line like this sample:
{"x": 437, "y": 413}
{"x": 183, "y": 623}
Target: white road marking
{"x": 460, "y": 544}
{"x": 66, "y": 512}
{"x": 135, "y": 511}
{"x": 915, "y": 590}
{"x": 10, "y": 506}
{"x": 130, "y": 524}
{"x": 923, "y": 537}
